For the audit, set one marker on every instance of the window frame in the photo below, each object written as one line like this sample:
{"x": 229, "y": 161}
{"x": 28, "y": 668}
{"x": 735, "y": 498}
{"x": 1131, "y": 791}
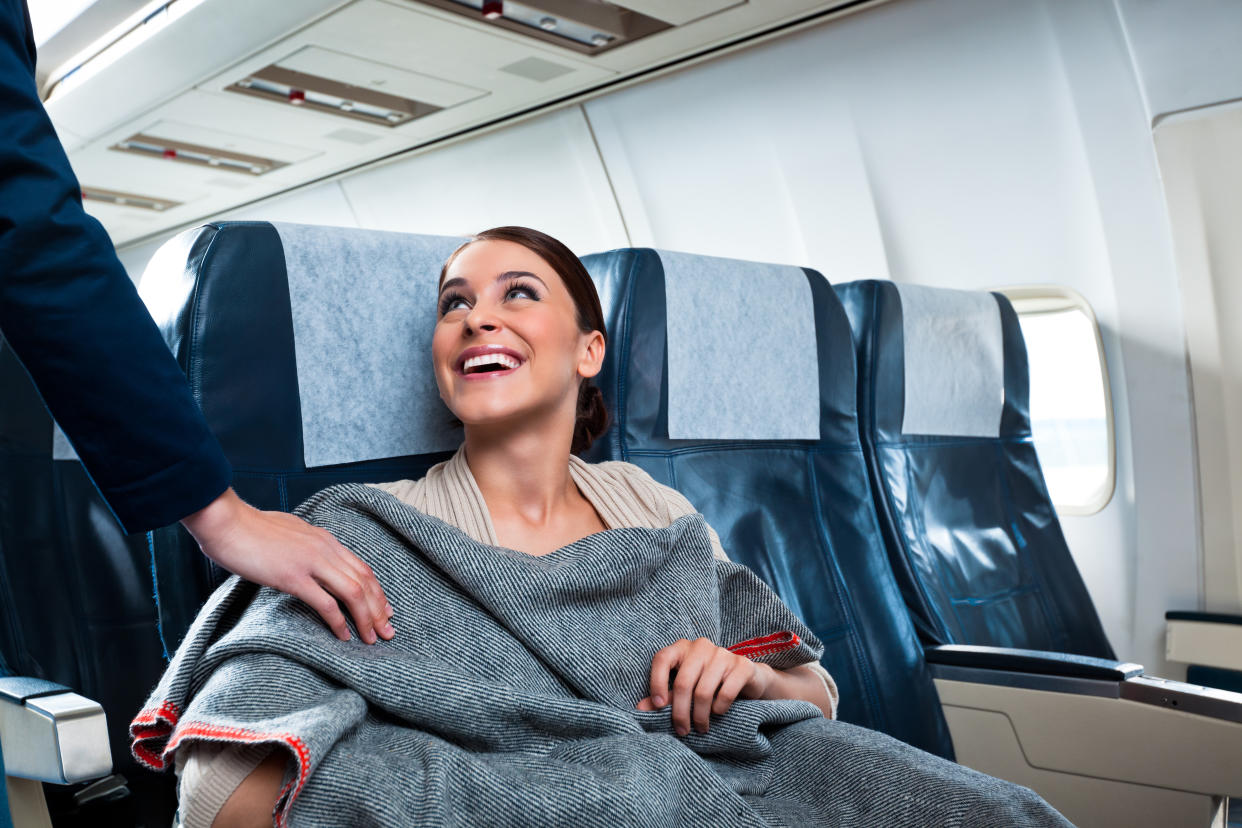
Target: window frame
{"x": 1031, "y": 300}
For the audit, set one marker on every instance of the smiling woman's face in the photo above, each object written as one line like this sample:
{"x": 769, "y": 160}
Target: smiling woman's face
{"x": 506, "y": 343}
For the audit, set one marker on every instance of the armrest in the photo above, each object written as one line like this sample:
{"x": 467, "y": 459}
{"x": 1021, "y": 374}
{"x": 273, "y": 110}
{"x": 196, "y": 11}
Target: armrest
{"x": 1102, "y": 742}
{"x": 1063, "y": 665}
{"x": 51, "y": 734}
{"x": 1213, "y": 639}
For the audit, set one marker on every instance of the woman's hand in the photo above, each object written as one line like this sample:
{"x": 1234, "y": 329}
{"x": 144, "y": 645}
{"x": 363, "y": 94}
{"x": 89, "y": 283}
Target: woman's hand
{"x": 709, "y": 678}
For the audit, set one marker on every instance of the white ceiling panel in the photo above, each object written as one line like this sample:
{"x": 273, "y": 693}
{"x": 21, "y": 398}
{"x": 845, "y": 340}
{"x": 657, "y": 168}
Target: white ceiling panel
{"x": 479, "y": 75}
{"x": 356, "y": 71}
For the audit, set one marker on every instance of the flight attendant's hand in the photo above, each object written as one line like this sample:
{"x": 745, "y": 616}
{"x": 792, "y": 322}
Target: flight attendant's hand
{"x": 287, "y": 553}
{"x": 709, "y": 678}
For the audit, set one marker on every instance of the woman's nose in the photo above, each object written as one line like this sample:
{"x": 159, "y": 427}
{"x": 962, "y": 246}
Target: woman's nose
{"x": 479, "y": 319}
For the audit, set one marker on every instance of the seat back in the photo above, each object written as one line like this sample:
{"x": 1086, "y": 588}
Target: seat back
{"x": 308, "y": 349}
{"x": 967, "y": 520}
{"x": 733, "y": 383}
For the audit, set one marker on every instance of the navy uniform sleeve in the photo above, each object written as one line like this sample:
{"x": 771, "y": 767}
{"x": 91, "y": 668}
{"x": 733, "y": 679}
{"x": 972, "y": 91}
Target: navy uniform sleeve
{"x": 72, "y": 316}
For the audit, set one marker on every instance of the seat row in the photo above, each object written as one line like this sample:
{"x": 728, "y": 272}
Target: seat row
{"x": 866, "y": 449}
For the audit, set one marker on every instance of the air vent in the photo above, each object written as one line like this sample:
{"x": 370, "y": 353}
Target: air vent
{"x": 276, "y": 83}
{"x": 121, "y": 199}
{"x": 197, "y": 154}
{"x": 587, "y": 26}
{"x": 536, "y": 69}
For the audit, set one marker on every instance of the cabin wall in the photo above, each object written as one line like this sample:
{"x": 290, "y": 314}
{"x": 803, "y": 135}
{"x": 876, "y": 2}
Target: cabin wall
{"x": 962, "y": 143}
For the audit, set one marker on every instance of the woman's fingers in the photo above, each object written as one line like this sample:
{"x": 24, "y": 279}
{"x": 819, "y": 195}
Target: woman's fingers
{"x": 662, "y": 663}
{"x": 733, "y": 683}
{"x": 688, "y": 672}
{"x": 709, "y": 682}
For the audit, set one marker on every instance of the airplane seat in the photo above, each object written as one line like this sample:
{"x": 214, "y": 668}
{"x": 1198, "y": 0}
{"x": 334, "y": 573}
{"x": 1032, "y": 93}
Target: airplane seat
{"x": 222, "y": 296}
{"x": 75, "y": 601}
{"x": 225, "y": 296}
{"x": 967, "y": 519}
{"x": 765, "y": 445}
{"x": 1018, "y": 654}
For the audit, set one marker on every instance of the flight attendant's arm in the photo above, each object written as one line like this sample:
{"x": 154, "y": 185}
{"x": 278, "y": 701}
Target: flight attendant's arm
{"x": 71, "y": 314}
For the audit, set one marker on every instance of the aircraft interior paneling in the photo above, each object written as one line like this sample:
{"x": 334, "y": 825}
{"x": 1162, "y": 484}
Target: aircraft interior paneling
{"x": 1074, "y": 158}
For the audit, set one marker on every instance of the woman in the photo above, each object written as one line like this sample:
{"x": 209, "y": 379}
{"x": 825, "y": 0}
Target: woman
{"x": 519, "y": 335}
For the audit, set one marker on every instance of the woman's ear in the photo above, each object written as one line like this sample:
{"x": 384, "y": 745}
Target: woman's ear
{"x": 592, "y": 360}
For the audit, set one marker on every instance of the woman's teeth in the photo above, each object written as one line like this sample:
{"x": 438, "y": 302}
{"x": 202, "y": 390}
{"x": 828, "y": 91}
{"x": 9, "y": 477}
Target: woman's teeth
{"x": 503, "y": 360}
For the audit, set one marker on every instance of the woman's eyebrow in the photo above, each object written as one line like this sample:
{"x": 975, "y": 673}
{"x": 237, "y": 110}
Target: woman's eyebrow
{"x": 508, "y": 275}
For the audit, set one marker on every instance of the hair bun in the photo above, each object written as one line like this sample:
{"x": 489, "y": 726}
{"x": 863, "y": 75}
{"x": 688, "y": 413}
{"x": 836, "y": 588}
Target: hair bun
{"x": 592, "y": 418}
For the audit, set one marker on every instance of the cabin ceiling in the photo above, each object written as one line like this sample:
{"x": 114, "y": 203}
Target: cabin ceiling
{"x": 229, "y": 101}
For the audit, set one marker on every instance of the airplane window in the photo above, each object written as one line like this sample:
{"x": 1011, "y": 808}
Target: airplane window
{"x": 1071, "y": 416}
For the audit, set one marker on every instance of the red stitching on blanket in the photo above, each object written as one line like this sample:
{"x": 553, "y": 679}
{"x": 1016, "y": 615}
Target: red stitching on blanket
{"x": 152, "y": 723}
{"x": 777, "y": 642}
{"x": 238, "y": 734}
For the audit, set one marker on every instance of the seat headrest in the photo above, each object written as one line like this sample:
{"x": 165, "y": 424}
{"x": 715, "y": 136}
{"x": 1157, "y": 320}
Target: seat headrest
{"x": 738, "y": 350}
{"x": 306, "y": 345}
{"x": 938, "y": 362}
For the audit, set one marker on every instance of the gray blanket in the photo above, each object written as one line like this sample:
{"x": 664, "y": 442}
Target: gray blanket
{"x": 507, "y": 696}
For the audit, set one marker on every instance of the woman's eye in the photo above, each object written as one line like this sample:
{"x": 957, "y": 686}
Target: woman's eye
{"x": 520, "y": 291}
{"x": 451, "y": 303}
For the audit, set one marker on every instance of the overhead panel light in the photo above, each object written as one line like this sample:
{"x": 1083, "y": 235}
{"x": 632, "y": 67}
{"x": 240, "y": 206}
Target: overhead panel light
{"x": 185, "y": 153}
{"x": 276, "y": 83}
{"x": 121, "y": 199}
{"x": 587, "y": 26}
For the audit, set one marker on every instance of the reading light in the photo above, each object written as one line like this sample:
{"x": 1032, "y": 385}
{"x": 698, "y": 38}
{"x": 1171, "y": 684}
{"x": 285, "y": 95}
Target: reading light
{"x": 548, "y": 24}
{"x": 186, "y": 153}
{"x": 314, "y": 93}
{"x": 131, "y": 200}
{"x": 493, "y": 9}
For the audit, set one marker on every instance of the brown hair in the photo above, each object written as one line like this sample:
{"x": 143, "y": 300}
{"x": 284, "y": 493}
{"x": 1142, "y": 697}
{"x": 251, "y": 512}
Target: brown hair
{"x": 592, "y": 415}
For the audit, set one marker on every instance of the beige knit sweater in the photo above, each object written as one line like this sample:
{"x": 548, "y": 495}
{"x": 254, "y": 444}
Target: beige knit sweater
{"x": 624, "y": 496}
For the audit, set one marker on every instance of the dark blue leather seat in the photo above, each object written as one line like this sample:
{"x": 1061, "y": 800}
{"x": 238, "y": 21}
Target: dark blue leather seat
{"x": 798, "y": 512}
{"x": 75, "y": 591}
{"x": 966, "y": 517}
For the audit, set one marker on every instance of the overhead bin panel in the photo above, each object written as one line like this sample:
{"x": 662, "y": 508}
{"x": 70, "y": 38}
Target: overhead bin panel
{"x": 682, "y": 11}
{"x": 342, "y": 84}
{"x": 586, "y": 26}
{"x": 351, "y": 87}
{"x": 168, "y": 55}
{"x": 432, "y": 56}
{"x": 166, "y": 141}
{"x": 120, "y": 199}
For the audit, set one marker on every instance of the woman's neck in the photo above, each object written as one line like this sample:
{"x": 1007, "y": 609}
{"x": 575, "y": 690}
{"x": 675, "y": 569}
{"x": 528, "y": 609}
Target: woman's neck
{"x": 522, "y": 475}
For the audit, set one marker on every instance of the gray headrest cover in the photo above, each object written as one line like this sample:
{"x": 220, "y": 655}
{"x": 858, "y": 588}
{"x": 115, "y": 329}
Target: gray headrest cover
{"x": 955, "y": 362}
{"x": 364, "y": 309}
{"x": 742, "y": 356}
